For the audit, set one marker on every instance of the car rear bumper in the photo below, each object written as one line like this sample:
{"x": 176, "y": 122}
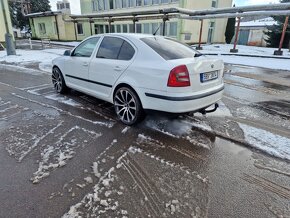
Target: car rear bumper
{"x": 181, "y": 103}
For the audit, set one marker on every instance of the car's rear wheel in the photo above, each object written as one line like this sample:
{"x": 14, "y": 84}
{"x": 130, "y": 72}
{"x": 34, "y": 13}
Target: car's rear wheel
{"x": 128, "y": 106}
{"x": 58, "y": 81}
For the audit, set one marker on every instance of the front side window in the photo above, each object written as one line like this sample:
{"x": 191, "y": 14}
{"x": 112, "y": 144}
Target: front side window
{"x": 115, "y": 48}
{"x": 169, "y": 49}
{"x": 86, "y": 48}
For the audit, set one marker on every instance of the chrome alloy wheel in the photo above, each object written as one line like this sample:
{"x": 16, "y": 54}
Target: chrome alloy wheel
{"x": 125, "y": 106}
{"x": 57, "y": 80}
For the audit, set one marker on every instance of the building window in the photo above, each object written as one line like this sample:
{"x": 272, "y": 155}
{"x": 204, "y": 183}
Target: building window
{"x": 164, "y": 1}
{"x": 187, "y": 36}
{"x": 106, "y": 28}
{"x": 156, "y": 28}
{"x": 131, "y": 28}
{"x": 210, "y": 32}
{"x": 132, "y": 3}
{"x": 80, "y": 30}
{"x": 111, "y": 4}
{"x": 118, "y": 4}
{"x": 155, "y": 2}
{"x": 55, "y": 28}
{"x": 99, "y": 29}
{"x": 67, "y": 5}
{"x": 147, "y": 2}
{"x": 173, "y": 29}
{"x": 214, "y": 4}
{"x": 138, "y": 2}
{"x": 42, "y": 29}
{"x": 118, "y": 28}
{"x": 58, "y": 8}
{"x": 146, "y": 28}
{"x": 94, "y": 5}
{"x": 125, "y": 28}
{"x": 124, "y": 3}
{"x": 101, "y": 5}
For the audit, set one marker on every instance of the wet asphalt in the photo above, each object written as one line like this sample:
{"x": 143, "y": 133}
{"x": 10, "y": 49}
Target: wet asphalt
{"x": 68, "y": 155}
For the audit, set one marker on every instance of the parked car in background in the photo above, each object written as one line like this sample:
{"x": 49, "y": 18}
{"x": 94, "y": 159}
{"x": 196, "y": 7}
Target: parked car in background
{"x": 138, "y": 72}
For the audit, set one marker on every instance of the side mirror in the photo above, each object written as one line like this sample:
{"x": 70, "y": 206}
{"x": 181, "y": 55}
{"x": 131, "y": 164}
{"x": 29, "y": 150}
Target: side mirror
{"x": 67, "y": 53}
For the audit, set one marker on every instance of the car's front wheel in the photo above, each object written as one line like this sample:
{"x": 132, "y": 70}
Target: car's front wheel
{"x": 128, "y": 106}
{"x": 58, "y": 81}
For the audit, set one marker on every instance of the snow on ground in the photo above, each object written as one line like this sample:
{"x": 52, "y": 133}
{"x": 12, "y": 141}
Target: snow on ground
{"x": 223, "y": 51}
{"x": 268, "y": 142}
{"x": 26, "y": 57}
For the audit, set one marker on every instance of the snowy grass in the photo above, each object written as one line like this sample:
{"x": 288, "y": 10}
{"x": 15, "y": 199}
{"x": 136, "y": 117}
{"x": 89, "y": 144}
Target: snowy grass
{"x": 26, "y": 57}
{"x": 271, "y": 63}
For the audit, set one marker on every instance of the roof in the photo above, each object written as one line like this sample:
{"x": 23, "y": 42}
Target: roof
{"x": 44, "y": 14}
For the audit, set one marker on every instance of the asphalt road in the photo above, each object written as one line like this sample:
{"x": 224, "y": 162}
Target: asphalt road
{"x": 67, "y": 155}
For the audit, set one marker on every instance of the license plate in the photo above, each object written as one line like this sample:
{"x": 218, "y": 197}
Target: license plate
{"x": 204, "y": 77}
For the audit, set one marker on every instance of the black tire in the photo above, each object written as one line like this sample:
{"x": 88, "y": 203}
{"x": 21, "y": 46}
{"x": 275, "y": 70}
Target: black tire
{"x": 58, "y": 81}
{"x": 128, "y": 106}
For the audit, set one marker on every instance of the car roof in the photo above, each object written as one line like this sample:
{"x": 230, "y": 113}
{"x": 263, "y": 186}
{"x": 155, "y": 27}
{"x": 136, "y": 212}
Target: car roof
{"x": 128, "y": 35}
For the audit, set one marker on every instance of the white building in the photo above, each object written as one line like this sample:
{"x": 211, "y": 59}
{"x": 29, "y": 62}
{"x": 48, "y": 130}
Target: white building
{"x": 184, "y": 30}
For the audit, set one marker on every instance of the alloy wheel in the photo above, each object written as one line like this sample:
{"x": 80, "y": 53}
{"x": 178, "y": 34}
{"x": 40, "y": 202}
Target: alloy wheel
{"x": 125, "y": 106}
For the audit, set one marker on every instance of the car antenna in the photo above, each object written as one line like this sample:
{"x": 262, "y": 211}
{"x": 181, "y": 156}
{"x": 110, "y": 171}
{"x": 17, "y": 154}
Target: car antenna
{"x": 156, "y": 30}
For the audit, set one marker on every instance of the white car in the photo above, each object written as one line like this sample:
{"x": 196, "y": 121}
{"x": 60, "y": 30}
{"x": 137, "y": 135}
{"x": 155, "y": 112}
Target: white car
{"x": 138, "y": 72}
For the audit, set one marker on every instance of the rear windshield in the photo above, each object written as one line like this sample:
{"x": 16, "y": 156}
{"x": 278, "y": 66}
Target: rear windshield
{"x": 169, "y": 49}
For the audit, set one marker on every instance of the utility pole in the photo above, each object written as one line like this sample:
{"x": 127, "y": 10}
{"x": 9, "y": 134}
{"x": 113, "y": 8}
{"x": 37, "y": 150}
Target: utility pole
{"x": 10, "y": 47}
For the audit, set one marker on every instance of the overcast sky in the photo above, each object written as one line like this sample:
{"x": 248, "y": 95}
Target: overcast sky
{"x": 75, "y": 4}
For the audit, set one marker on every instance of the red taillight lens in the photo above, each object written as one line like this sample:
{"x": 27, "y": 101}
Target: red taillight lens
{"x": 179, "y": 77}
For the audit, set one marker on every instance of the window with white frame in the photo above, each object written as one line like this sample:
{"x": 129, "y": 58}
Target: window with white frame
{"x": 118, "y": 4}
{"x": 214, "y": 3}
{"x": 132, "y": 3}
{"x": 111, "y": 4}
{"x": 94, "y": 5}
{"x": 147, "y": 2}
{"x": 173, "y": 29}
{"x": 155, "y": 2}
{"x": 146, "y": 28}
{"x": 42, "y": 29}
{"x": 80, "y": 30}
{"x": 138, "y": 2}
{"x": 125, "y": 28}
{"x": 164, "y": 1}
{"x": 124, "y": 3}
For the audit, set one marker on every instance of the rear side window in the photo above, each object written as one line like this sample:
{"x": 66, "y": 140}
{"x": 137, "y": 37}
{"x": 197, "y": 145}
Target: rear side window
{"x": 169, "y": 49}
{"x": 115, "y": 48}
{"x": 126, "y": 52}
{"x": 110, "y": 48}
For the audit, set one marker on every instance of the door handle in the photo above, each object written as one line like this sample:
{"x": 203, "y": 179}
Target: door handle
{"x": 85, "y": 64}
{"x": 117, "y": 68}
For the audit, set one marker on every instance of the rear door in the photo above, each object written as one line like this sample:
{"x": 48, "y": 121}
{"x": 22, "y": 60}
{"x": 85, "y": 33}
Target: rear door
{"x": 77, "y": 65}
{"x": 113, "y": 57}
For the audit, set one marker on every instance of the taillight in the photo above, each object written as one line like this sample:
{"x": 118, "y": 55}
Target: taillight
{"x": 179, "y": 77}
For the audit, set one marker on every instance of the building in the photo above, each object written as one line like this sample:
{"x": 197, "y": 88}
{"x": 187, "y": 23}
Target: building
{"x": 253, "y": 32}
{"x": 4, "y": 18}
{"x": 184, "y": 30}
{"x": 59, "y": 26}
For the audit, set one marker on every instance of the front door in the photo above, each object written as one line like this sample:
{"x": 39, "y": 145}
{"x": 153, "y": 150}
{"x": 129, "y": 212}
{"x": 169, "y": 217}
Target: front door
{"x": 77, "y": 65}
{"x": 113, "y": 57}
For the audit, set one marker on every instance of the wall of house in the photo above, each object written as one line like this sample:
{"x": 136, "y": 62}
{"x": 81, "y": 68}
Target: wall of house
{"x": 191, "y": 28}
{"x": 2, "y": 23}
{"x": 50, "y": 31}
{"x": 187, "y": 30}
{"x": 257, "y": 37}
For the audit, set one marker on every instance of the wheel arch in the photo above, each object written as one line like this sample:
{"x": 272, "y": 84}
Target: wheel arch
{"x": 128, "y": 86}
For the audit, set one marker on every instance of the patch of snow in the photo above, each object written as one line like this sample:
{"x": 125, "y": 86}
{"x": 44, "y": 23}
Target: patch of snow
{"x": 64, "y": 100}
{"x": 268, "y": 142}
{"x": 125, "y": 129}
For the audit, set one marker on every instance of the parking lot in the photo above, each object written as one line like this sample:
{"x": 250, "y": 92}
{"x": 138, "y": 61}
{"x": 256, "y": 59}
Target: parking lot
{"x": 68, "y": 155}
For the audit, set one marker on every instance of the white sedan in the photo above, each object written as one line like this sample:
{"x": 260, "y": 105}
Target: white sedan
{"x": 139, "y": 72}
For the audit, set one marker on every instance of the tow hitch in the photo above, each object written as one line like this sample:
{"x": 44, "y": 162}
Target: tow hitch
{"x": 204, "y": 111}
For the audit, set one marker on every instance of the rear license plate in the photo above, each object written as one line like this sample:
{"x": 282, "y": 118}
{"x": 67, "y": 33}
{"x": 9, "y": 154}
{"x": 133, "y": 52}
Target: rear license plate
{"x": 204, "y": 77}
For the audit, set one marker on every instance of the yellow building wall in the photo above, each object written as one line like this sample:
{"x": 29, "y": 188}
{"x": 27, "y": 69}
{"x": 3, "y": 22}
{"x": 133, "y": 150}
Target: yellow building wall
{"x": 192, "y": 27}
{"x": 2, "y": 23}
